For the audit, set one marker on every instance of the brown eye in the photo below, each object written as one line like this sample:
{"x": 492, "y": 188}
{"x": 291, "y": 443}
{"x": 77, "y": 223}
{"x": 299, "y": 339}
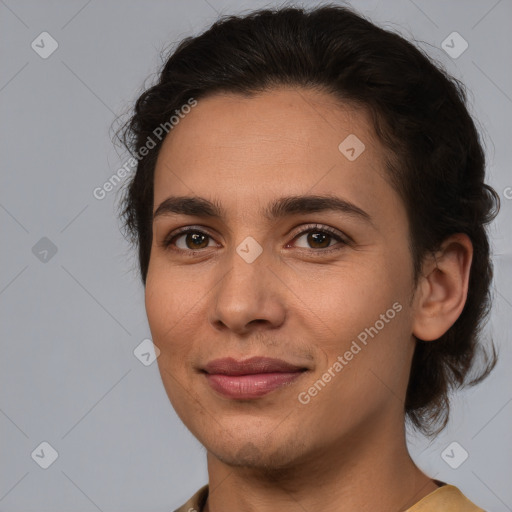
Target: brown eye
{"x": 318, "y": 240}
{"x": 196, "y": 240}
{"x": 187, "y": 240}
{"x": 321, "y": 237}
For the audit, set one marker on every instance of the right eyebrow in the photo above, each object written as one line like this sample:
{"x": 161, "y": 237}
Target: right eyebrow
{"x": 184, "y": 205}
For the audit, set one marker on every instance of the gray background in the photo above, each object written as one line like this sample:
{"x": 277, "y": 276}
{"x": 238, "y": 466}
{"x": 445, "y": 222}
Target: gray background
{"x": 71, "y": 321}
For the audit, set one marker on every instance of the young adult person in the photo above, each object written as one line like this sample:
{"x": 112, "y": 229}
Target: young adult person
{"x": 309, "y": 207}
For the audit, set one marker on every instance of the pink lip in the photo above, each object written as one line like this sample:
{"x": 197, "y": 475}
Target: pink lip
{"x": 251, "y": 378}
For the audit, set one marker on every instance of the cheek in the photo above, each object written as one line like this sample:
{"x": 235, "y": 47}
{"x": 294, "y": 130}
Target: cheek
{"x": 365, "y": 371}
{"x": 168, "y": 309}
{"x": 172, "y": 332}
{"x": 368, "y": 321}
{"x": 350, "y": 300}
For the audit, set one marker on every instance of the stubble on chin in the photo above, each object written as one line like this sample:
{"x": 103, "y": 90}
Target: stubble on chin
{"x": 268, "y": 460}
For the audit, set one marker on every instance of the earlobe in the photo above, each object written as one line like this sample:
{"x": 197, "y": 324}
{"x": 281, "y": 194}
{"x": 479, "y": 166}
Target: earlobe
{"x": 443, "y": 287}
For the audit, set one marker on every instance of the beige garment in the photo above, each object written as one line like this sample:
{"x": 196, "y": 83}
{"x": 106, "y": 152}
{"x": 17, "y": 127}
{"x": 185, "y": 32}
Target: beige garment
{"x": 446, "y": 498}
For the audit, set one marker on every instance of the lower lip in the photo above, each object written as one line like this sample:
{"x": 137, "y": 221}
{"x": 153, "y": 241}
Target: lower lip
{"x": 246, "y": 387}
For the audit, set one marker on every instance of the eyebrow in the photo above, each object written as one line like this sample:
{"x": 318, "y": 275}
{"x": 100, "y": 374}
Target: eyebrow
{"x": 282, "y": 207}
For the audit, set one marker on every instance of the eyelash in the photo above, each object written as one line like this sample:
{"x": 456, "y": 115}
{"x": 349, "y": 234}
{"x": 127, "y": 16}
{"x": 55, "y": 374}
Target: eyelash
{"x": 310, "y": 228}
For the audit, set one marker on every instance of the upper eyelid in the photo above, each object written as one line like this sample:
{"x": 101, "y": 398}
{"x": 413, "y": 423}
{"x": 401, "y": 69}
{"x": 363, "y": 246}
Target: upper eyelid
{"x": 319, "y": 227}
{"x": 185, "y": 230}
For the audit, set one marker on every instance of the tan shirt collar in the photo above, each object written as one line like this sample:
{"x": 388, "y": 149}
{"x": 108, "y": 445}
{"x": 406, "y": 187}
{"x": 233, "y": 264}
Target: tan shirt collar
{"x": 445, "y": 498}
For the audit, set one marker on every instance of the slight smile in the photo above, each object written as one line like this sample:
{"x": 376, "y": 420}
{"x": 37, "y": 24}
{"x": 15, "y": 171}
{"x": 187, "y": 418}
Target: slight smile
{"x": 251, "y": 378}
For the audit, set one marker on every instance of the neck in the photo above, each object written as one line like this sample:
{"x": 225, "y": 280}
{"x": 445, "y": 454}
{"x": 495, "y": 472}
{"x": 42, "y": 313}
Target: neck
{"x": 364, "y": 471}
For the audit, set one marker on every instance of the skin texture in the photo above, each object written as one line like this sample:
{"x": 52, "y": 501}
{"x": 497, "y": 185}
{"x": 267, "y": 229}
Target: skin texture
{"x": 346, "y": 448}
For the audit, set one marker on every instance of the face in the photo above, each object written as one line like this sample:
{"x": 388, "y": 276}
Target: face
{"x": 320, "y": 281}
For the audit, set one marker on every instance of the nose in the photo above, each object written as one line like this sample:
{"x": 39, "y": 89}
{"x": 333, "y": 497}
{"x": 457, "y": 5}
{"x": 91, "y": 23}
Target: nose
{"x": 248, "y": 297}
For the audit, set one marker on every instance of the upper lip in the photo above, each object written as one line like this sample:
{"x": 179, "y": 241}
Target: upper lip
{"x": 230, "y": 366}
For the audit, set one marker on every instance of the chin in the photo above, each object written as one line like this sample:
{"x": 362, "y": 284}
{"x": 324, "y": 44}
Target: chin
{"x": 258, "y": 453}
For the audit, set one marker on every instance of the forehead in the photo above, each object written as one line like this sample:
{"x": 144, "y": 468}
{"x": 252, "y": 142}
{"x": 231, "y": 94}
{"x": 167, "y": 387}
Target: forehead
{"x": 244, "y": 150}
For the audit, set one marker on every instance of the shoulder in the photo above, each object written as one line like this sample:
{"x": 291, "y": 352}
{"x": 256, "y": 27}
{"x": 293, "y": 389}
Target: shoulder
{"x": 446, "y": 498}
{"x": 196, "y": 502}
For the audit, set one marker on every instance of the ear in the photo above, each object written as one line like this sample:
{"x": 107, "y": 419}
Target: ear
{"x": 443, "y": 287}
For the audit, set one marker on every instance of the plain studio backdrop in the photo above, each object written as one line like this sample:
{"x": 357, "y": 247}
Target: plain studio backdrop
{"x": 74, "y": 383}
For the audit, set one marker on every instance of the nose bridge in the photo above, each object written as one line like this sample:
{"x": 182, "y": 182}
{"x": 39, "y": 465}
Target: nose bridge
{"x": 247, "y": 291}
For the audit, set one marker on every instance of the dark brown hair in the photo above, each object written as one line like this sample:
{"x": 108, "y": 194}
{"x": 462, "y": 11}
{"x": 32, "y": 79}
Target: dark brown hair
{"x": 435, "y": 157}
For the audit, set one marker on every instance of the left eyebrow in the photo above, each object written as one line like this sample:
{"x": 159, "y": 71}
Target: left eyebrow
{"x": 291, "y": 205}
{"x": 282, "y": 207}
